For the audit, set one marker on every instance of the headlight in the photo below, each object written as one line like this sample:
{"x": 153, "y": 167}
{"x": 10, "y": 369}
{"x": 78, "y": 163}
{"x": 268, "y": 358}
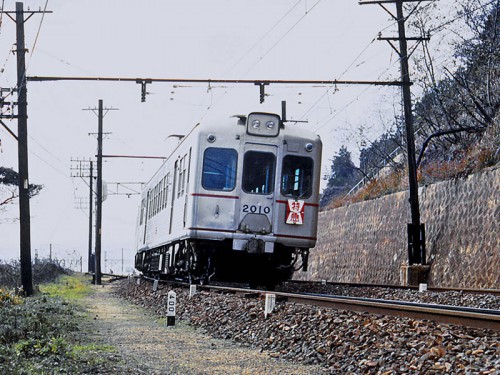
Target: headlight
{"x": 256, "y": 124}
{"x": 263, "y": 124}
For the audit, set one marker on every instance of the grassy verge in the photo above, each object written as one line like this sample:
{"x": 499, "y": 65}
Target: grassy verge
{"x": 72, "y": 287}
{"x": 40, "y": 335}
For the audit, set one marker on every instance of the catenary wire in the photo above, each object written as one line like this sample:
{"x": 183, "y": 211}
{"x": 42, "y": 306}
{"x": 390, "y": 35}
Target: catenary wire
{"x": 38, "y": 32}
{"x": 262, "y": 37}
{"x": 281, "y": 38}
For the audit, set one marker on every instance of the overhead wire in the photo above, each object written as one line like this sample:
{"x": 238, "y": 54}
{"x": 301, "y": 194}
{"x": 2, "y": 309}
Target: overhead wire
{"x": 349, "y": 68}
{"x": 355, "y": 99}
{"x": 333, "y": 86}
{"x": 262, "y": 37}
{"x": 282, "y": 37}
{"x": 49, "y": 152}
{"x": 268, "y": 51}
{"x": 38, "y": 32}
{"x": 460, "y": 16}
{"x": 1, "y": 16}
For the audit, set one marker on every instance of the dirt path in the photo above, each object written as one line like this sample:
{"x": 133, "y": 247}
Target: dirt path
{"x": 148, "y": 346}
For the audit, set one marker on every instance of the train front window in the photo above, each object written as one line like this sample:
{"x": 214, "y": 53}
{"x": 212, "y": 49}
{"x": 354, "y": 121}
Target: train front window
{"x": 297, "y": 175}
{"x": 219, "y": 169}
{"x": 258, "y": 172}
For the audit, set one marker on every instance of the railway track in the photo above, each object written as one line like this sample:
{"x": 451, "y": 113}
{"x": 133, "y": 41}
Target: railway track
{"x": 495, "y": 292}
{"x": 465, "y": 316}
{"x": 341, "y": 340}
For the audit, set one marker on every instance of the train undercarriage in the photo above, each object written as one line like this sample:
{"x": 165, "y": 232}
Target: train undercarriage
{"x": 203, "y": 261}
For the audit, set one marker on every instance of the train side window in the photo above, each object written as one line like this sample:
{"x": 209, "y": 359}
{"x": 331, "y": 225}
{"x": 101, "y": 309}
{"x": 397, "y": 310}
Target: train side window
{"x": 297, "y": 176}
{"x": 219, "y": 169}
{"x": 143, "y": 209}
{"x": 182, "y": 176}
{"x": 258, "y": 172}
{"x": 149, "y": 205}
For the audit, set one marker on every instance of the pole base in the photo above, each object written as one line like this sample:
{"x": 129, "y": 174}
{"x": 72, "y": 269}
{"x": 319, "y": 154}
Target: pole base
{"x": 414, "y": 275}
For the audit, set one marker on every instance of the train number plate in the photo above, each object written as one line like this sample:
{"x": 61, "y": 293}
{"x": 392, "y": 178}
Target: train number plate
{"x": 254, "y": 209}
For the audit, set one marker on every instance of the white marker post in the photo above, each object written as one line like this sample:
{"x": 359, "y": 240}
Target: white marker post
{"x": 171, "y": 302}
{"x": 269, "y": 305}
{"x": 192, "y": 291}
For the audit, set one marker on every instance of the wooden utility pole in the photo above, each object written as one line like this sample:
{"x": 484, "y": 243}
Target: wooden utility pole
{"x": 22, "y": 135}
{"x": 85, "y": 169}
{"x": 99, "y": 198}
{"x": 91, "y": 201}
{"x": 416, "y": 230}
{"x": 98, "y": 217}
{"x": 22, "y": 138}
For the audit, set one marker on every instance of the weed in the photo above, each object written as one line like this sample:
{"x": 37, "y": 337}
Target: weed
{"x": 68, "y": 287}
{"x": 93, "y": 347}
{"x": 9, "y": 298}
{"x": 39, "y": 335}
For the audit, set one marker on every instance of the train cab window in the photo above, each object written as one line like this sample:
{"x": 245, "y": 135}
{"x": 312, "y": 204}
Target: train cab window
{"x": 258, "y": 172}
{"x": 297, "y": 176}
{"x": 219, "y": 169}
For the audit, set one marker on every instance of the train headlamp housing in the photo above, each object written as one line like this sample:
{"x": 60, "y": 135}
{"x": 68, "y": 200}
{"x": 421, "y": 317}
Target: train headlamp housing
{"x": 263, "y": 124}
{"x": 256, "y": 124}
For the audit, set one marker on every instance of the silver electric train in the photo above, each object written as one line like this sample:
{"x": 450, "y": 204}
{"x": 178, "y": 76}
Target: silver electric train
{"x": 237, "y": 200}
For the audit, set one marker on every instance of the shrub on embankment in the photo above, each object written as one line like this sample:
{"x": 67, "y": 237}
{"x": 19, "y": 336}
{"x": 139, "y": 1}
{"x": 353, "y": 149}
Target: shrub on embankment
{"x": 43, "y": 271}
{"x": 41, "y": 334}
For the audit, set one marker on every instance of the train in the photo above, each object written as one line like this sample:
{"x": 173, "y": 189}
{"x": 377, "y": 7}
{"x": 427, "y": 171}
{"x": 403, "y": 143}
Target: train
{"x": 236, "y": 200}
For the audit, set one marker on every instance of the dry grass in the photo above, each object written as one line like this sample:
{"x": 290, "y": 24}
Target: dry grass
{"x": 472, "y": 161}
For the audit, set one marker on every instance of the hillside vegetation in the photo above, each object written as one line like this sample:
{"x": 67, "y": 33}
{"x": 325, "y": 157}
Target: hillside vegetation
{"x": 456, "y": 120}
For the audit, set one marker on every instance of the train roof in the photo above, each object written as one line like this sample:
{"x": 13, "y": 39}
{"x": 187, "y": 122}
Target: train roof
{"x": 237, "y": 123}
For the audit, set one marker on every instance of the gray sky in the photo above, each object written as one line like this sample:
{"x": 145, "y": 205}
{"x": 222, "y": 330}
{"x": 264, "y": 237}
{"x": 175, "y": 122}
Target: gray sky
{"x": 224, "y": 39}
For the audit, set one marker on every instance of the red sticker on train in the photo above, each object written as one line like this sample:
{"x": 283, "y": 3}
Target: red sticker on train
{"x": 295, "y": 212}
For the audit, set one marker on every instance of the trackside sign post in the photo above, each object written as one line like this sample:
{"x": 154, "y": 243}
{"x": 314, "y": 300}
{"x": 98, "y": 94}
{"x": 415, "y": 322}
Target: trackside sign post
{"x": 171, "y": 302}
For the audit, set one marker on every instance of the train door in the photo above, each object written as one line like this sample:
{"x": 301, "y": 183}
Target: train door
{"x": 258, "y": 186}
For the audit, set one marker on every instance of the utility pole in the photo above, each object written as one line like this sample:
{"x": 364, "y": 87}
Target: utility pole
{"x": 99, "y": 197}
{"x": 22, "y": 135}
{"x": 22, "y": 138}
{"x": 84, "y": 169}
{"x": 91, "y": 200}
{"x": 415, "y": 229}
{"x": 98, "y": 219}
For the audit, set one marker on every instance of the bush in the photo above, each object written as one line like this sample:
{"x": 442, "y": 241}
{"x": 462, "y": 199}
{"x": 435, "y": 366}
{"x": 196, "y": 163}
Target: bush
{"x": 43, "y": 271}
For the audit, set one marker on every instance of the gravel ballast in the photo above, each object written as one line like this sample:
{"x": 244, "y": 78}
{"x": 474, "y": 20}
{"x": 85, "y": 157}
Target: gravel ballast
{"x": 342, "y": 342}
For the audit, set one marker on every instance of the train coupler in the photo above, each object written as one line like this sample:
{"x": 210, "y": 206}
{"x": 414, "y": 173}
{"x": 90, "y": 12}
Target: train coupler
{"x": 304, "y": 254}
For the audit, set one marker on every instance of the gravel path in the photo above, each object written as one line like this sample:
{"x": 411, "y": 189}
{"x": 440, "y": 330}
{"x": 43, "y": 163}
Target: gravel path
{"x": 343, "y": 342}
{"x": 148, "y": 346}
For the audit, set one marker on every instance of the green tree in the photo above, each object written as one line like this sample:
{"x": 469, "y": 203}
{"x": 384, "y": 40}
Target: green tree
{"x": 9, "y": 186}
{"x": 344, "y": 175}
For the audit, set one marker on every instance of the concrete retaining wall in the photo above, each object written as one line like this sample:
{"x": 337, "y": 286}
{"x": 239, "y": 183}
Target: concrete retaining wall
{"x": 367, "y": 243}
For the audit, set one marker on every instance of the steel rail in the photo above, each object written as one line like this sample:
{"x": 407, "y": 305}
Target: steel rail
{"x": 466, "y": 316}
{"x": 495, "y": 292}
